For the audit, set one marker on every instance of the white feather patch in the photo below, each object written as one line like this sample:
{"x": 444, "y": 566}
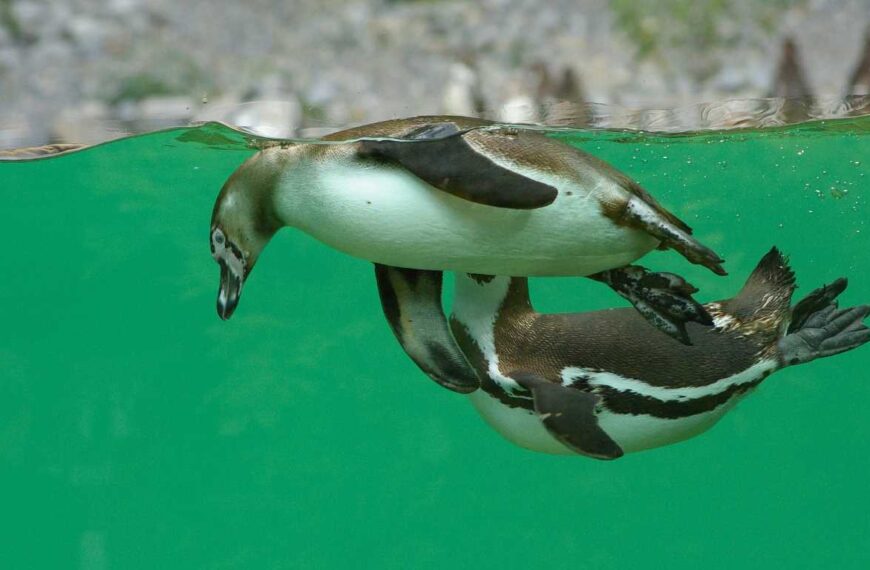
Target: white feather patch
{"x": 476, "y": 307}
{"x": 390, "y": 216}
{"x": 570, "y": 375}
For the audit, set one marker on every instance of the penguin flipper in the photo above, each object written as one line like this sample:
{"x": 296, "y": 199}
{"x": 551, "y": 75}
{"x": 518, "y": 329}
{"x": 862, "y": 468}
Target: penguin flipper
{"x": 439, "y": 155}
{"x": 663, "y": 299}
{"x": 411, "y": 300}
{"x": 569, "y": 415}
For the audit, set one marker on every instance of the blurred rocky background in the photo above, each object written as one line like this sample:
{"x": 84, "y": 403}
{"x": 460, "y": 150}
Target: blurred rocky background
{"x": 87, "y": 70}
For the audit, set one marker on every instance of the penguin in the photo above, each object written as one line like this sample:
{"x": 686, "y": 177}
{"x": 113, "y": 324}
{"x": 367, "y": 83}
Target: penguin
{"x": 604, "y": 383}
{"x": 520, "y": 105}
{"x": 790, "y": 84}
{"x": 859, "y": 80}
{"x": 563, "y": 100}
{"x": 463, "y": 94}
{"x": 790, "y": 80}
{"x": 424, "y": 195}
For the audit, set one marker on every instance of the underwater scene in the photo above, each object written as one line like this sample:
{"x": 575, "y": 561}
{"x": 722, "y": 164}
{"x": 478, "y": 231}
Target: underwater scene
{"x": 139, "y": 430}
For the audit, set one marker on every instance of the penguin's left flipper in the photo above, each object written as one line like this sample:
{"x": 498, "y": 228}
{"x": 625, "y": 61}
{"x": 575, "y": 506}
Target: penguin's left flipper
{"x": 439, "y": 155}
{"x": 570, "y": 416}
{"x": 664, "y": 299}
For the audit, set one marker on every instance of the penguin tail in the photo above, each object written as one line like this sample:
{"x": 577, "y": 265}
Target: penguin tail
{"x": 767, "y": 292}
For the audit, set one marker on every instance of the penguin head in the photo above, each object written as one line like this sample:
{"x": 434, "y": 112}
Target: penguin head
{"x": 243, "y": 221}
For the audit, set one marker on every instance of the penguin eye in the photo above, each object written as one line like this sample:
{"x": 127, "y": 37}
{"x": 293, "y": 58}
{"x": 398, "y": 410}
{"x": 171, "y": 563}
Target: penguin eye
{"x": 218, "y": 238}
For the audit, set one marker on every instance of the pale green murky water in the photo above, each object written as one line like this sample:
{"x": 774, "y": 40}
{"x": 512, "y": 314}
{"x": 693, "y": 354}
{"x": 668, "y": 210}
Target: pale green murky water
{"x": 137, "y": 430}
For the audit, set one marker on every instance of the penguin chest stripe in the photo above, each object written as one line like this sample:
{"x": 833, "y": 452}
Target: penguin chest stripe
{"x": 595, "y": 379}
{"x": 635, "y": 397}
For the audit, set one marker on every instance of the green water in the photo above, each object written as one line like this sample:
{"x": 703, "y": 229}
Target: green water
{"x": 137, "y": 430}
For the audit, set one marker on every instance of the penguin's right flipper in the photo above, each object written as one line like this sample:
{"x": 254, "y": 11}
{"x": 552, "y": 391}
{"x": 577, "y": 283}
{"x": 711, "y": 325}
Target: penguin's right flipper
{"x": 411, "y": 300}
{"x": 439, "y": 155}
{"x": 570, "y": 416}
{"x": 820, "y": 329}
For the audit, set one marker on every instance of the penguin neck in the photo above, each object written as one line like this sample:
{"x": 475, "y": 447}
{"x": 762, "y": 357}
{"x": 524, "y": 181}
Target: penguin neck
{"x": 291, "y": 178}
{"x": 487, "y": 298}
{"x": 489, "y": 315}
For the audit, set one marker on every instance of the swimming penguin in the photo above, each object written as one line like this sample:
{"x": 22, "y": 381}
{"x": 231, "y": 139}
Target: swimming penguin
{"x": 423, "y": 195}
{"x": 604, "y": 383}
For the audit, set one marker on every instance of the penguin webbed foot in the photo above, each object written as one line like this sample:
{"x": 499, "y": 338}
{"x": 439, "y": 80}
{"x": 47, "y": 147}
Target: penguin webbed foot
{"x": 814, "y": 302}
{"x": 819, "y": 328}
{"x": 570, "y": 416}
{"x": 663, "y": 299}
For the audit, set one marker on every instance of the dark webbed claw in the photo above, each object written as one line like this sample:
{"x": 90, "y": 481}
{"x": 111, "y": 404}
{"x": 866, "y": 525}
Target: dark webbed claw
{"x": 819, "y": 299}
{"x": 819, "y": 328}
{"x": 664, "y": 299}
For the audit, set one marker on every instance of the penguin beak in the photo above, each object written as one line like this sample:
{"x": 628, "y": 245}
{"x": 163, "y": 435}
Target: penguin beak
{"x": 229, "y": 292}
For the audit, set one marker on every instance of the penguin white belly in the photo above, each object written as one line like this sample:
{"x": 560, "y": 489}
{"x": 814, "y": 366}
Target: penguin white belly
{"x": 519, "y": 426}
{"x": 643, "y": 431}
{"x": 639, "y": 432}
{"x": 390, "y": 216}
{"x": 631, "y": 432}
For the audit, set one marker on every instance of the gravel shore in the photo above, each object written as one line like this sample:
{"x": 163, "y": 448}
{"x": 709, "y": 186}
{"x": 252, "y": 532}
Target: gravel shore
{"x": 71, "y": 69}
